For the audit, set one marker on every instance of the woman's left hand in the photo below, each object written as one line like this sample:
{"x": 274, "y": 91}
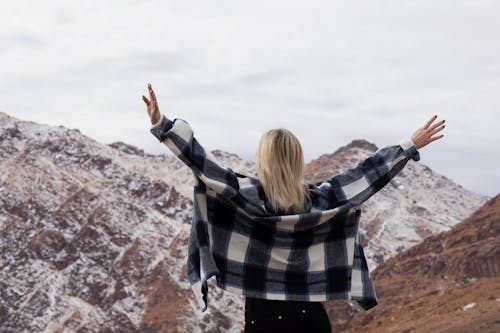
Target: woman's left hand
{"x": 424, "y": 135}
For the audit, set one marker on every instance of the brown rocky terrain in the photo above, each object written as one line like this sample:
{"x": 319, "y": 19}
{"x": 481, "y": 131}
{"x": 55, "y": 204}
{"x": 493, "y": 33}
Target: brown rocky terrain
{"x": 448, "y": 283}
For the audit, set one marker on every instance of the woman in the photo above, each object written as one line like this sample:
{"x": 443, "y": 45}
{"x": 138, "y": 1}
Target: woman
{"x": 281, "y": 191}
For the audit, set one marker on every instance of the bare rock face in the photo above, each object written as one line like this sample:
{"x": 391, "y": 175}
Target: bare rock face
{"x": 93, "y": 237}
{"x": 448, "y": 283}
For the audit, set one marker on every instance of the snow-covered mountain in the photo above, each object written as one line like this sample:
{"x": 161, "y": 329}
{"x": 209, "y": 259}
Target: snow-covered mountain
{"x": 93, "y": 237}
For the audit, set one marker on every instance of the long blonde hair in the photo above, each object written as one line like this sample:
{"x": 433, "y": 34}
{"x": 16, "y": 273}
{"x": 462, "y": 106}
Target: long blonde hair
{"x": 280, "y": 168}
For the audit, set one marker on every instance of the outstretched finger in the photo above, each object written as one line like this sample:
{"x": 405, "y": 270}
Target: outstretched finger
{"x": 148, "y": 105}
{"x": 429, "y": 122}
{"x": 436, "y": 129}
{"x": 152, "y": 94}
{"x": 441, "y": 123}
{"x": 435, "y": 138}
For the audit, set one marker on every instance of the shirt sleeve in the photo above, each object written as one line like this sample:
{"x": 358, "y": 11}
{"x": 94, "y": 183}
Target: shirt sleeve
{"x": 354, "y": 186}
{"x": 178, "y": 136}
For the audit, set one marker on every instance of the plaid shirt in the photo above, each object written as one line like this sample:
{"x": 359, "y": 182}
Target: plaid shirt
{"x": 257, "y": 252}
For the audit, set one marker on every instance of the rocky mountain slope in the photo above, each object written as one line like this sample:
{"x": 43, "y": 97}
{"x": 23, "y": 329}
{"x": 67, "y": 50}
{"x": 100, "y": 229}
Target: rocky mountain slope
{"x": 448, "y": 283}
{"x": 94, "y": 237}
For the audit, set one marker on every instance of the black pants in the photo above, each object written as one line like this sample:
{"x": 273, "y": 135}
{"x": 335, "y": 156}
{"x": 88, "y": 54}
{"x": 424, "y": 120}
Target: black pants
{"x": 262, "y": 316}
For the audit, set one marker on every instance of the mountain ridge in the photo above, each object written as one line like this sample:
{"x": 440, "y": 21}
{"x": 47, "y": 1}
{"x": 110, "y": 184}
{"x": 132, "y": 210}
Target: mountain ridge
{"x": 95, "y": 235}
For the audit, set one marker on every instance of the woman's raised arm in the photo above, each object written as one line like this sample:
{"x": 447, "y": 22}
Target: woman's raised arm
{"x": 356, "y": 185}
{"x": 178, "y": 136}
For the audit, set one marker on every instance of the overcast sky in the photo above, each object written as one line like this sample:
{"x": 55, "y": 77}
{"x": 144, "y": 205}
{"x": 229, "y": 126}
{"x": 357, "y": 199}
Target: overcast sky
{"x": 330, "y": 71}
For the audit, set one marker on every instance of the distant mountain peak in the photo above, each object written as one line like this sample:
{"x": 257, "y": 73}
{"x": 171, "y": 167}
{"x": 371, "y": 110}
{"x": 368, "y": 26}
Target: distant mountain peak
{"x": 326, "y": 165}
{"x": 358, "y": 143}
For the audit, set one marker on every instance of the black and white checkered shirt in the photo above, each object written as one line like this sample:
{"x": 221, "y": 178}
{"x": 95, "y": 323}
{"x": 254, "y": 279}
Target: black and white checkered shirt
{"x": 255, "y": 251}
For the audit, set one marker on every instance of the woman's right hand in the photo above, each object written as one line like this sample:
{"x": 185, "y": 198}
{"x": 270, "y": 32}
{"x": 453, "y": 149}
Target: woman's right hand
{"x": 152, "y": 105}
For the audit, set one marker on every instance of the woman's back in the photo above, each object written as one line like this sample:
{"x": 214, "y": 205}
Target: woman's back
{"x": 285, "y": 259}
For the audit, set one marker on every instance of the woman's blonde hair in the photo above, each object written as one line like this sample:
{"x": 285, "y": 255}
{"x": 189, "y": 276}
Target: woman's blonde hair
{"x": 280, "y": 170}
